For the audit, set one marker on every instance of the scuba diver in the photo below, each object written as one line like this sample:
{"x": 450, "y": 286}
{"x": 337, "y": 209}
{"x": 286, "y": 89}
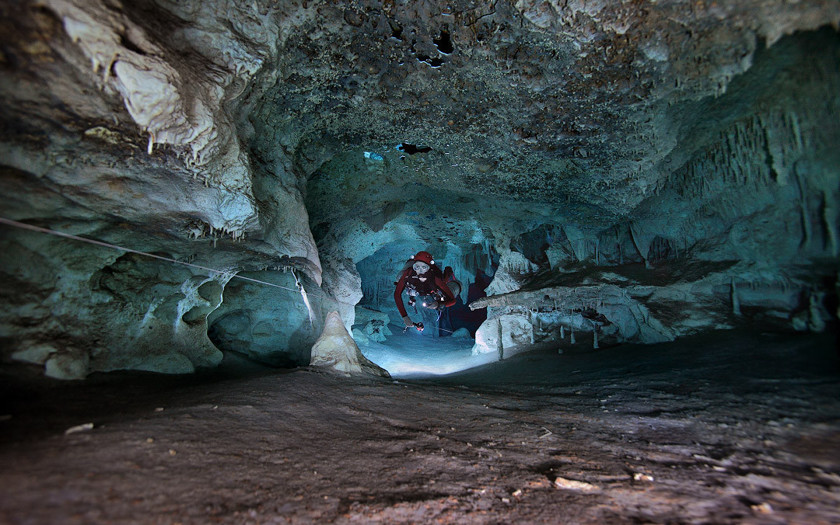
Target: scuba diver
{"x": 421, "y": 277}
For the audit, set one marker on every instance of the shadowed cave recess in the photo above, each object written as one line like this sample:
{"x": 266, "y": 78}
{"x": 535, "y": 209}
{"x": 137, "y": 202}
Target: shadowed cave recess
{"x": 608, "y": 180}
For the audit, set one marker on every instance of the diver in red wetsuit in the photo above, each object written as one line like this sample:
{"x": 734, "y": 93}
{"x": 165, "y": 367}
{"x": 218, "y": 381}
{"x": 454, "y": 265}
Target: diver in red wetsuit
{"x": 421, "y": 277}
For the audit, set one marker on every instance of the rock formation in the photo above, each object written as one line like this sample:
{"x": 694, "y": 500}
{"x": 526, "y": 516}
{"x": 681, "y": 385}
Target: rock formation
{"x": 646, "y": 170}
{"x": 336, "y": 350}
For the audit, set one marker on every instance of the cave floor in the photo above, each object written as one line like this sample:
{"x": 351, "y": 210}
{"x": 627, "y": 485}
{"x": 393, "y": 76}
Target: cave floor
{"x": 726, "y": 428}
{"x": 409, "y": 355}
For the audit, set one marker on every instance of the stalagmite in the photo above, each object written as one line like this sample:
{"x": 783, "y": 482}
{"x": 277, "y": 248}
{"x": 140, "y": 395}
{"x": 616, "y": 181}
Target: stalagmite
{"x": 336, "y": 350}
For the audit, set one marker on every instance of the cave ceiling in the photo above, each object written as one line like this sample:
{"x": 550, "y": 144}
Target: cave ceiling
{"x": 566, "y": 106}
{"x": 528, "y": 110}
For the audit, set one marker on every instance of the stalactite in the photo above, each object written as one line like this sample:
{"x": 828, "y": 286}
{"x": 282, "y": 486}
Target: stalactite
{"x": 816, "y": 323}
{"x": 751, "y": 152}
{"x": 572, "y": 337}
{"x": 830, "y": 218}
{"x": 305, "y": 298}
{"x": 736, "y": 302}
{"x": 595, "y": 338}
{"x": 638, "y": 247}
{"x": 797, "y": 131}
{"x": 501, "y": 341}
{"x": 803, "y": 207}
{"x": 562, "y": 332}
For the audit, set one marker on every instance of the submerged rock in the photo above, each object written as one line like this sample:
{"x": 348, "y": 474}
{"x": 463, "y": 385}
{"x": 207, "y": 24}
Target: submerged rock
{"x": 373, "y": 325}
{"x": 461, "y": 333}
{"x": 69, "y": 364}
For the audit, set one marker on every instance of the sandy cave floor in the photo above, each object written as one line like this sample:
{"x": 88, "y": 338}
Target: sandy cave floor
{"x": 408, "y": 355}
{"x": 725, "y": 428}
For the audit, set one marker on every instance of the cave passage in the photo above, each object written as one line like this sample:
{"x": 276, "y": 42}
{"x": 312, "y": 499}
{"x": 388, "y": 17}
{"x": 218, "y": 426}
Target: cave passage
{"x": 640, "y": 201}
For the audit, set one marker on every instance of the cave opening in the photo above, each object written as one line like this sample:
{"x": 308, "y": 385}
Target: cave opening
{"x": 445, "y": 343}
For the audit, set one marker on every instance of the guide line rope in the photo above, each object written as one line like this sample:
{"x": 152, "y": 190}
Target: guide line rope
{"x": 38, "y": 229}
{"x": 30, "y": 227}
{"x": 440, "y": 313}
{"x": 442, "y": 329}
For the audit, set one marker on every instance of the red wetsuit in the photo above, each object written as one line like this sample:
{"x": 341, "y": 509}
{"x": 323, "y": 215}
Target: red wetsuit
{"x": 434, "y": 283}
